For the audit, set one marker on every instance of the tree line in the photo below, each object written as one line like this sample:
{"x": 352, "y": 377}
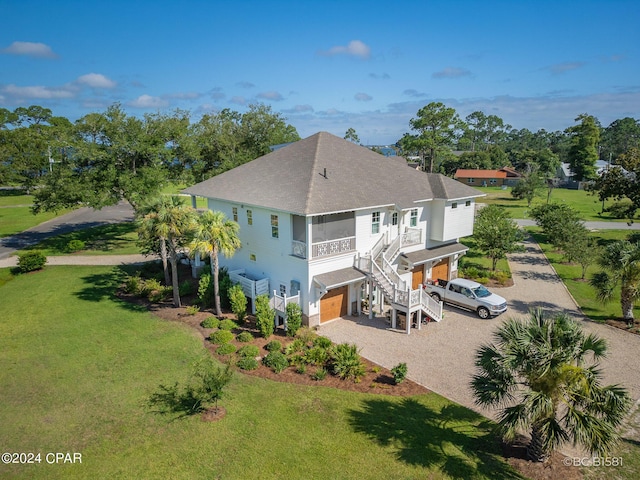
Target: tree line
{"x": 106, "y": 157}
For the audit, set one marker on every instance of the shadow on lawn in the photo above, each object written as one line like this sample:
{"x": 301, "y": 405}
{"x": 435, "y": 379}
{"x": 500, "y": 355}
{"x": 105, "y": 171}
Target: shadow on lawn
{"x": 455, "y": 440}
{"x": 103, "y": 286}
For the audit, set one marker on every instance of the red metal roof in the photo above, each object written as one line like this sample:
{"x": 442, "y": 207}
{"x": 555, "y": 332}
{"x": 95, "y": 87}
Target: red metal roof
{"x": 461, "y": 173}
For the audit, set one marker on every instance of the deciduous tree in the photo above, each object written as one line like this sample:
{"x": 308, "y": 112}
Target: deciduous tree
{"x": 583, "y": 151}
{"x": 496, "y": 233}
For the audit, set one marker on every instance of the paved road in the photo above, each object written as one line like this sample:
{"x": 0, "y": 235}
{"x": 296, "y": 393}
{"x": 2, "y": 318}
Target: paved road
{"x": 76, "y": 220}
{"x": 590, "y": 225}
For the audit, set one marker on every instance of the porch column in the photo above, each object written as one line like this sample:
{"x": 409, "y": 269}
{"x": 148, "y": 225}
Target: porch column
{"x": 393, "y": 318}
{"x": 370, "y": 299}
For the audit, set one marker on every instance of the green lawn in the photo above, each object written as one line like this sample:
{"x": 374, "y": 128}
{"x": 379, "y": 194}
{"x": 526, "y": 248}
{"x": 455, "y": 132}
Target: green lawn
{"x": 17, "y": 219}
{"x": 570, "y": 274}
{"x": 78, "y": 366}
{"x": 588, "y": 206}
{"x": 114, "y": 239}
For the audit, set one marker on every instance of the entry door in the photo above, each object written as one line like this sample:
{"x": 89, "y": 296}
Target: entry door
{"x": 417, "y": 276}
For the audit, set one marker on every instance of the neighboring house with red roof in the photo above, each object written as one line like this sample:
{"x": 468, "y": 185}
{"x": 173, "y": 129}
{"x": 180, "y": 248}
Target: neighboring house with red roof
{"x": 330, "y": 223}
{"x": 488, "y": 178}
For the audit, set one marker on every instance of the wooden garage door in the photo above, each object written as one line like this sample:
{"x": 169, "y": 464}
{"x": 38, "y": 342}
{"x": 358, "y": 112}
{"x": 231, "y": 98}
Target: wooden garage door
{"x": 440, "y": 270}
{"x": 417, "y": 276}
{"x": 334, "y": 303}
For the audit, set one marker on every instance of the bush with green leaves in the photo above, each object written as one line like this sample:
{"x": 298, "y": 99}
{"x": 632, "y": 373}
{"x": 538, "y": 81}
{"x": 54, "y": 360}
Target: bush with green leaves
{"x": 210, "y": 322}
{"x": 31, "y": 261}
{"x": 399, "y": 372}
{"x": 238, "y": 302}
{"x": 221, "y": 337}
{"x": 75, "y": 246}
{"x": 156, "y": 292}
{"x": 297, "y": 346}
{"x": 227, "y": 324}
{"x": 205, "y": 290}
{"x": 249, "y": 351}
{"x": 247, "y": 363}
{"x": 317, "y": 355}
{"x": 265, "y": 316}
{"x": 192, "y": 309}
{"x": 226, "y": 349}
{"x": 294, "y": 319}
{"x": 306, "y": 334}
{"x": 276, "y": 361}
{"x": 244, "y": 337}
{"x": 273, "y": 346}
{"x": 322, "y": 342}
{"x": 319, "y": 374}
{"x": 346, "y": 362}
{"x": 134, "y": 285}
{"x": 185, "y": 288}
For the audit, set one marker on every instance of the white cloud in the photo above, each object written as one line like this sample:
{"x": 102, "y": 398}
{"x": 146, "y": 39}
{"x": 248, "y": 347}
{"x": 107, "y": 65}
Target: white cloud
{"x": 36, "y": 92}
{"x": 96, "y": 80}
{"x": 355, "y": 48}
{"x": 275, "y": 96}
{"x": 239, "y": 100}
{"x": 245, "y": 84}
{"x": 147, "y": 101}
{"x": 560, "y": 68}
{"x": 363, "y": 97}
{"x": 30, "y": 49}
{"x": 183, "y": 95}
{"x": 414, "y": 93}
{"x": 452, "y": 72}
{"x": 299, "y": 109}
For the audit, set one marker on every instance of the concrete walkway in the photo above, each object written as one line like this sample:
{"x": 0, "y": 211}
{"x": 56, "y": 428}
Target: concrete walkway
{"x": 84, "y": 260}
{"x": 441, "y": 355}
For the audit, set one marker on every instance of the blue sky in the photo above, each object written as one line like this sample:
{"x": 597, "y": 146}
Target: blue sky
{"x": 327, "y": 65}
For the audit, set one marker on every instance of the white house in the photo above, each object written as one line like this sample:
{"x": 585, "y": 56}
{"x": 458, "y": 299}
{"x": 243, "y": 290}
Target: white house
{"x": 334, "y": 223}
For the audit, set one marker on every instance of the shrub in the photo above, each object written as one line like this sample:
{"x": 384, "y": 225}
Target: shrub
{"x": 185, "y": 288}
{"x": 294, "y": 319}
{"x": 620, "y": 209}
{"x": 227, "y": 324}
{"x": 265, "y": 316}
{"x": 75, "y": 246}
{"x": 273, "y": 346}
{"x": 301, "y": 368}
{"x": 347, "y": 363}
{"x": 31, "y": 261}
{"x": 319, "y": 375}
{"x": 471, "y": 272}
{"x": 192, "y": 309}
{"x": 306, "y": 335}
{"x": 224, "y": 284}
{"x": 399, "y": 372}
{"x": 238, "y": 302}
{"x": 249, "y": 351}
{"x": 134, "y": 285}
{"x": 244, "y": 337}
{"x": 296, "y": 346}
{"x": 276, "y": 361}
{"x": 322, "y": 342}
{"x": 317, "y": 355}
{"x": 482, "y": 280}
{"x": 501, "y": 277}
{"x": 205, "y": 290}
{"x": 221, "y": 337}
{"x": 247, "y": 363}
{"x": 211, "y": 322}
{"x": 156, "y": 292}
{"x": 226, "y": 349}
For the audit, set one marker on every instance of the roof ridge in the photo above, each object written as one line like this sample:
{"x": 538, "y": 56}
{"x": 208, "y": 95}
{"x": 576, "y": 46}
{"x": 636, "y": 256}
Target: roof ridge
{"x": 313, "y": 169}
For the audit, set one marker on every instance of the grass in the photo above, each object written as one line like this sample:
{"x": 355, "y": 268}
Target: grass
{"x": 570, "y": 274}
{"x": 114, "y": 239}
{"x": 15, "y": 219}
{"x": 588, "y": 206}
{"x": 79, "y": 365}
{"x": 478, "y": 259}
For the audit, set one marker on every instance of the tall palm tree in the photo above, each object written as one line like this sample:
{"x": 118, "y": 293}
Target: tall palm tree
{"x": 621, "y": 266}
{"x": 215, "y": 234}
{"x": 171, "y": 222}
{"x": 536, "y": 373}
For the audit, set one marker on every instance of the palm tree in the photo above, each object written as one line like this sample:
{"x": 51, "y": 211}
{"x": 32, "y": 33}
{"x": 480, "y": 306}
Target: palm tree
{"x": 621, "y": 263}
{"x": 170, "y": 221}
{"x": 214, "y": 234}
{"x": 536, "y": 373}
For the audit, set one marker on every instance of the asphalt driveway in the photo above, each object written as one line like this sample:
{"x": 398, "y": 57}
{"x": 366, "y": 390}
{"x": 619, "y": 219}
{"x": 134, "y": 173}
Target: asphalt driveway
{"x": 441, "y": 355}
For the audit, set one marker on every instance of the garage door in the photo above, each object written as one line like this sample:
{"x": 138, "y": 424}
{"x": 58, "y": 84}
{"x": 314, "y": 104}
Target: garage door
{"x": 417, "y": 276}
{"x": 440, "y": 270}
{"x": 334, "y": 303}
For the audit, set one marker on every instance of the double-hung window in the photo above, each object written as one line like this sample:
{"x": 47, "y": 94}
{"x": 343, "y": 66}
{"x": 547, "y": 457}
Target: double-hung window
{"x": 274, "y": 226}
{"x": 413, "y": 219}
{"x": 375, "y": 222}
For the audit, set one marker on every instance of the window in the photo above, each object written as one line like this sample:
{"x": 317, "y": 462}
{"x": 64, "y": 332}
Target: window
{"x": 249, "y": 217}
{"x": 235, "y": 214}
{"x": 454, "y": 205}
{"x": 375, "y": 222}
{"x": 493, "y": 181}
{"x": 467, "y": 203}
{"x": 252, "y": 257}
{"x": 283, "y": 290}
{"x": 394, "y": 218}
{"x": 274, "y": 226}
{"x": 413, "y": 220}
{"x": 471, "y": 180}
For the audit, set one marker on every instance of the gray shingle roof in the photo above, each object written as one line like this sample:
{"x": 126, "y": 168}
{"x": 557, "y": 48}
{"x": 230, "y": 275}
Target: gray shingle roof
{"x": 323, "y": 174}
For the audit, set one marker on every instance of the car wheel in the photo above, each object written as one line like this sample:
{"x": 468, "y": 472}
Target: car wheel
{"x": 436, "y": 297}
{"x": 483, "y": 313}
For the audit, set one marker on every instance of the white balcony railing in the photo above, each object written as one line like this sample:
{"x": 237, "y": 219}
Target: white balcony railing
{"x": 333, "y": 247}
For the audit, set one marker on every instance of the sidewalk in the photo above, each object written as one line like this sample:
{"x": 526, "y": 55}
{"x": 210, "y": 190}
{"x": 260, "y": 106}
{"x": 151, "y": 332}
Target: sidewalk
{"x": 85, "y": 260}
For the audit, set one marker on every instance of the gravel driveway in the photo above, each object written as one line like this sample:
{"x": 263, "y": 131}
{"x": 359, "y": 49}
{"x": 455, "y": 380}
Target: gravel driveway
{"x": 441, "y": 355}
